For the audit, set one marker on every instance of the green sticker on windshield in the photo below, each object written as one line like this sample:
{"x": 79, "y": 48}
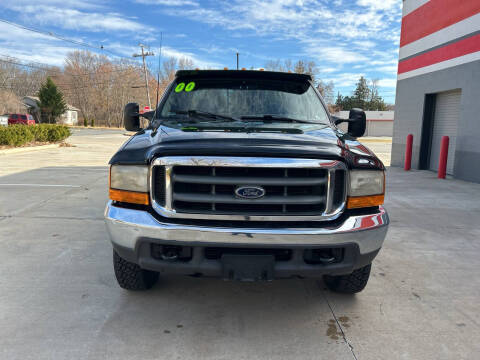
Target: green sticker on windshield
{"x": 180, "y": 87}
{"x": 190, "y": 86}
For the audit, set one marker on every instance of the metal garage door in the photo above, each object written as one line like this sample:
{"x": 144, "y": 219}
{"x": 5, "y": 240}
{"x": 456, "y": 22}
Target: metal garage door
{"x": 447, "y": 110}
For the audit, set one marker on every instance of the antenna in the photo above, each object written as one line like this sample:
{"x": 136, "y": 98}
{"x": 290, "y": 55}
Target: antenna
{"x": 159, "y": 68}
{"x": 158, "y": 74}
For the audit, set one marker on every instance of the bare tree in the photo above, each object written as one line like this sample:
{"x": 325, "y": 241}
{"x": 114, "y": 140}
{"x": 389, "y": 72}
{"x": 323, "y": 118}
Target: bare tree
{"x": 326, "y": 90}
{"x": 23, "y": 79}
{"x": 100, "y": 88}
{"x": 304, "y": 67}
{"x": 10, "y": 103}
{"x": 274, "y": 65}
{"x": 185, "y": 64}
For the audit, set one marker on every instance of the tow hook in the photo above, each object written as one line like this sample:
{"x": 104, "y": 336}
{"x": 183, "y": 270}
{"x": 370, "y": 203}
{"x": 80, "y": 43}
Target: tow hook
{"x": 170, "y": 253}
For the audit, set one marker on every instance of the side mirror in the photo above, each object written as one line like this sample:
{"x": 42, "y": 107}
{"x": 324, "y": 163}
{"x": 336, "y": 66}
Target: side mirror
{"x": 357, "y": 122}
{"x": 131, "y": 118}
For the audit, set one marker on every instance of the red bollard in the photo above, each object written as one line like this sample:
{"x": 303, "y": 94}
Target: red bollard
{"x": 408, "y": 152}
{"x": 442, "y": 164}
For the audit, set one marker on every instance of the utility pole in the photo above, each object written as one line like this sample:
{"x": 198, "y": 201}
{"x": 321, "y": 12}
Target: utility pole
{"x": 237, "y": 60}
{"x": 143, "y": 55}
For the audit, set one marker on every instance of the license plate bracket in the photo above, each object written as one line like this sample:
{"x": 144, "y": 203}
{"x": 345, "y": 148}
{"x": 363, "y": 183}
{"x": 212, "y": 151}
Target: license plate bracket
{"x": 248, "y": 267}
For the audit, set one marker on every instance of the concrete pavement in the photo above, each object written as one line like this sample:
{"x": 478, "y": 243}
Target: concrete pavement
{"x": 59, "y": 298}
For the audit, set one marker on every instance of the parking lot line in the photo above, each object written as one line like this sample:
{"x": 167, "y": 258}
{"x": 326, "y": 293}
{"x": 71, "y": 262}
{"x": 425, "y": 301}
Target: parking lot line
{"x": 42, "y": 185}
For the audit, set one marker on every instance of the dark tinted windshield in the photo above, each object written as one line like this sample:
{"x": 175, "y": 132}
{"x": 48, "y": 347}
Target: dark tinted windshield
{"x": 247, "y": 97}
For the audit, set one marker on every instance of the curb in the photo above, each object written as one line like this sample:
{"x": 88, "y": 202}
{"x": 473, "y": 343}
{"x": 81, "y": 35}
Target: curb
{"x": 27, "y": 149}
{"x": 95, "y": 127}
{"x": 376, "y": 140}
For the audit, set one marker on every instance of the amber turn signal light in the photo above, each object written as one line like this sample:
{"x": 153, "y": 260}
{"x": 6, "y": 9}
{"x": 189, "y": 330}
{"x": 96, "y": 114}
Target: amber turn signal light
{"x": 131, "y": 197}
{"x": 355, "y": 202}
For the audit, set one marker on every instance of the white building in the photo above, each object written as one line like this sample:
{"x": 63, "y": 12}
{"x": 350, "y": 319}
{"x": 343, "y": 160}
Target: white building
{"x": 379, "y": 123}
{"x": 70, "y": 117}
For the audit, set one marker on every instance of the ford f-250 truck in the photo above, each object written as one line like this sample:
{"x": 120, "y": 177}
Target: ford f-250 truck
{"x": 244, "y": 175}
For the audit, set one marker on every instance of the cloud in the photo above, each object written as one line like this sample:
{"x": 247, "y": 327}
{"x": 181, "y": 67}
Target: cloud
{"x": 345, "y": 79}
{"x": 73, "y": 19}
{"x": 169, "y": 2}
{"x": 31, "y": 47}
{"x": 327, "y": 70}
{"x": 70, "y": 4}
{"x": 334, "y": 54}
{"x": 388, "y": 69}
{"x": 347, "y": 35}
{"x": 297, "y": 19}
{"x": 365, "y": 44}
{"x": 390, "y": 83}
{"x": 379, "y": 4}
{"x": 346, "y": 39}
{"x": 197, "y": 61}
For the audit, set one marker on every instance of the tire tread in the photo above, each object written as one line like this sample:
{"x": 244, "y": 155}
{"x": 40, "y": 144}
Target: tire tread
{"x": 351, "y": 283}
{"x": 130, "y": 276}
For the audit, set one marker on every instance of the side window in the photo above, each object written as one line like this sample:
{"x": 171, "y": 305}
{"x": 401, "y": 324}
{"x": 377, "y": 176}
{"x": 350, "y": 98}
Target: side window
{"x": 14, "y": 116}
{"x": 24, "y": 117}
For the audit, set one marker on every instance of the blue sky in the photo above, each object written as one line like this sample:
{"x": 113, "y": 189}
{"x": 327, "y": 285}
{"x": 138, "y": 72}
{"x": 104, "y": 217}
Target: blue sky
{"x": 346, "y": 38}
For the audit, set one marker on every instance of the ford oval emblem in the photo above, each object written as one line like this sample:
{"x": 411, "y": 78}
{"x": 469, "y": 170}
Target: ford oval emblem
{"x": 250, "y": 192}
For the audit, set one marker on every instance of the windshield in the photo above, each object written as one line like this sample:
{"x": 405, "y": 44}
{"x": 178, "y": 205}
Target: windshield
{"x": 249, "y": 99}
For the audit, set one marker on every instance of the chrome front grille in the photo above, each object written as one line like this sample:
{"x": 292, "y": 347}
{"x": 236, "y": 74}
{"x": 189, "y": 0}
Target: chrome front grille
{"x": 205, "y": 188}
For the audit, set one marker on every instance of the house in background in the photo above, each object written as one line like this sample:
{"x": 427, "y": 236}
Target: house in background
{"x": 70, "y": 117}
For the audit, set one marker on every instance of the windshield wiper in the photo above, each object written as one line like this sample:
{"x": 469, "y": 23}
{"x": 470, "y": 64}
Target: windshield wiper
{"x": 204, "y": 114}
{"x": 277, "y": 118}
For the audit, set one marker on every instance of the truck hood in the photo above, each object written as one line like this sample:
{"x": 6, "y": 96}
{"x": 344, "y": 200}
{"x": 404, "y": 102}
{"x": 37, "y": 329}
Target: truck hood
{"x": 318, "y": 143}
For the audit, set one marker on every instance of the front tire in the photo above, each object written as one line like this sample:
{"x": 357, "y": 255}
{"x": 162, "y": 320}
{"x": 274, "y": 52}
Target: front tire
{"x": 351, "y": 283}
{"x": 130, "y": 276}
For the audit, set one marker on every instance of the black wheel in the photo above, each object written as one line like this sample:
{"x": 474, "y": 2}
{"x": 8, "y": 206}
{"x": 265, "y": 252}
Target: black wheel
{"x": 351, "y": 283}
{"x": 130, "y": 276}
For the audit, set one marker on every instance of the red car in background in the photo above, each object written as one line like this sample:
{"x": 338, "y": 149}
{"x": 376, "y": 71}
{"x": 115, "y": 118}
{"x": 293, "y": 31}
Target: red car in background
{"x": 25, "y": 119}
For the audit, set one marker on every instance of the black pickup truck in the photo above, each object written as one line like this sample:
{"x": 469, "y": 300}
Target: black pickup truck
{"x": 244, "y": 175}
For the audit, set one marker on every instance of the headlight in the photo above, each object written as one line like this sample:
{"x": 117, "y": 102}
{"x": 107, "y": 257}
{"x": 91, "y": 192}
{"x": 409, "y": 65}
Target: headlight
{"x": 366, "y": 188}
{"x": 364, "y": 182}
{"x": 129, "y": 177}
{"x": 129, "y": 184}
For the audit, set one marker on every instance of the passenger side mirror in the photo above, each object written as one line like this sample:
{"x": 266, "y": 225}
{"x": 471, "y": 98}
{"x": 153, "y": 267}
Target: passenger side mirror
{"x": 357, "y": 122}
{"x": 131, "y": 117}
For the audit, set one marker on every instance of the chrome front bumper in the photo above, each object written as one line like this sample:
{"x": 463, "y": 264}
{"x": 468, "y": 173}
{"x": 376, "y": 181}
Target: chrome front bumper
{"x": 127, "y": 227}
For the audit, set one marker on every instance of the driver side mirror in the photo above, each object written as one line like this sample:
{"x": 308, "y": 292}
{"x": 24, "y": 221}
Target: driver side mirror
{"x": 357, "y": 122}
{"x": 131, "y": 117}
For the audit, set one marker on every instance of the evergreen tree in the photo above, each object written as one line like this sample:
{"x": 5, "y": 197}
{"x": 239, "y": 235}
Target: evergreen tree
{"x": 51, "y": 103}
{"x": 364, "y": 97}
{"x": 339, "y": 102}
{"x": 375, "y": 102}
{"x": 361, "y": 94}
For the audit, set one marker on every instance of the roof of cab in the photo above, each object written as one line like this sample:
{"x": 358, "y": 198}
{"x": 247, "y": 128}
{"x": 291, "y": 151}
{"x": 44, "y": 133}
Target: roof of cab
{"x": 242, "y": 74}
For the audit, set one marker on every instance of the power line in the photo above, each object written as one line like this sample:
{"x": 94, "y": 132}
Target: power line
{"x": 68, "y": 86}
{"x": 28, "y": 65}
{"x": 45, "y": 67}
{"x": 60, "y": 37}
